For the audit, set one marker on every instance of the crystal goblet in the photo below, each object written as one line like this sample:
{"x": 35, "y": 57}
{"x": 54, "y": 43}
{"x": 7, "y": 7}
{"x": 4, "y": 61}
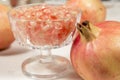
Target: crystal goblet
{"x": 44, "y": 27}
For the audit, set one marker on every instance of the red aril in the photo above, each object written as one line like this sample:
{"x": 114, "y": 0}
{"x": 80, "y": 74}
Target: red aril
{"x": 95, "y": 53}
{"x": 6, "y": 35}
{"x": 46, "y": 24}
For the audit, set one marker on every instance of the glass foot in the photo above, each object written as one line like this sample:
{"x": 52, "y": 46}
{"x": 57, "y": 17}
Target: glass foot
{"x": 43, "y": 67}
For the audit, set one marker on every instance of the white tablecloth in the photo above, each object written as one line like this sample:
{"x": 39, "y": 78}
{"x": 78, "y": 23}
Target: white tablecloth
{"x": 12, "y": 58}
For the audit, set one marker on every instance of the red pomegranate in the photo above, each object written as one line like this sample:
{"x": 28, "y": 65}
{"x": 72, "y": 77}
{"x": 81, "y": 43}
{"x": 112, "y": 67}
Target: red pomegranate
{"x": 95, "y": 53}
{"x": 92, "y": 10}
{"x": 6, "y": 35}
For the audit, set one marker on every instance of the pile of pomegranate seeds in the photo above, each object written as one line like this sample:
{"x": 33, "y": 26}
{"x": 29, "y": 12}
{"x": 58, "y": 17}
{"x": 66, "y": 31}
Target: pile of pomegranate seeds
{"x": 45, "y": 24}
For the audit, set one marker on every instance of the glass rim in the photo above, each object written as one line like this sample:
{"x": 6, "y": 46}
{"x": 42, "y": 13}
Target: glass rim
{"x": 37, "y": 4}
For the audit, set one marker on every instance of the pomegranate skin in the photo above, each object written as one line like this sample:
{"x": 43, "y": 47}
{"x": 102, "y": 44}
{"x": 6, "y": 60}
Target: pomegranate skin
{"x": 99, "y": 58}
{"x": 92, "y": 10}
{"x": 6, "y": 35}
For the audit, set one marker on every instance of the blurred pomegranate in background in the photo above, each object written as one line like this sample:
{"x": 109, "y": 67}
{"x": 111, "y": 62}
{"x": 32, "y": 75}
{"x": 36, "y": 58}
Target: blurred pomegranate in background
{"x": 6, "y": 35}
{"x": 95, "y": 53}
{"x": 92, "y": 10}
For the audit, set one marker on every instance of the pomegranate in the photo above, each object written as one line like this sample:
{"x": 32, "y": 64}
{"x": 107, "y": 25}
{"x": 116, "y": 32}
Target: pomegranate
{"x": 95, "y": 53}
{"x": 6, "y": 36}
{"x": 92, "y": 10}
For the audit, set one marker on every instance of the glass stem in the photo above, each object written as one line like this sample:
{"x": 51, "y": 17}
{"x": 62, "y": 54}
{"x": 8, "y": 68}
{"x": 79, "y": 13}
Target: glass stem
{"x": 46, "y": 55}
